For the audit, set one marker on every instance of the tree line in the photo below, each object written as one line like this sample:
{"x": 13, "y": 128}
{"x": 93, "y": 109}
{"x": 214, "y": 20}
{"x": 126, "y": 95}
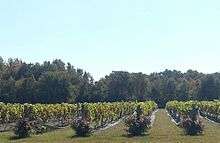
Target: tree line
{"x": 57, "y": 82}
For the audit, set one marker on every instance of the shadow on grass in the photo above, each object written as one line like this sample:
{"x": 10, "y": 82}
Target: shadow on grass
{"x": 79, "y": 137}
{"x": 132, "y": 136}
{"x": 197, "y": 135}
{"x": 16, "y": 138}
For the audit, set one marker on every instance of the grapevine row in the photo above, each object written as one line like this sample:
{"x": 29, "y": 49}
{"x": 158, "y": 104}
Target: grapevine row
{"x": 99, "y": 113}
{"x": 209, "y": 108}
{"x": 186, "y": 115}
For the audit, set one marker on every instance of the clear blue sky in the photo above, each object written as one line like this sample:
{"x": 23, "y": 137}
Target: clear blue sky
{"x": 104, "y": 35}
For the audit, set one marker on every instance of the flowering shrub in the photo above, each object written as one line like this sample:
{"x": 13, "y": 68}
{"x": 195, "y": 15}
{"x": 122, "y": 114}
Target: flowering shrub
{"x": 192, "y": 127}
{"x": 23, "y": 128}
{"x": 193, "y": 124}
{"x": 137, "y": 127}
{"x": 138, "y": 124}
{"x": 82, "y": 127}
{"x": 82, "y": 123}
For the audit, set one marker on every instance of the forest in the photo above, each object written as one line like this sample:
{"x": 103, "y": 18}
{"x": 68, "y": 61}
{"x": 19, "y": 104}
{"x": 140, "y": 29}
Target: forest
{"x": 58, "y": 82}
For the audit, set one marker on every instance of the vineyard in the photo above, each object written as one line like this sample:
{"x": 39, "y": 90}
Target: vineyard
{"x": 209, "y": 109}
{"x": 61, "y": 115}
{"x": 94, "y": 120}
{"x": 187, "y": 114}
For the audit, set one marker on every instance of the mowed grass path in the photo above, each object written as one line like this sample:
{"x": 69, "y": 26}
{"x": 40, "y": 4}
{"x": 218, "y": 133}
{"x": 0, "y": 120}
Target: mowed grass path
{"x": 163, "y": 131}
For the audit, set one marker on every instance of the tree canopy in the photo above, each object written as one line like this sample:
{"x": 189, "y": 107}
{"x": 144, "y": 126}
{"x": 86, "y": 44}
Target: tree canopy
{"x": 57, "y": 82}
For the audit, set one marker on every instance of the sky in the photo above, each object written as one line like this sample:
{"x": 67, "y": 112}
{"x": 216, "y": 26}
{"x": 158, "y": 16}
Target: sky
{"x": 101, "y": 36}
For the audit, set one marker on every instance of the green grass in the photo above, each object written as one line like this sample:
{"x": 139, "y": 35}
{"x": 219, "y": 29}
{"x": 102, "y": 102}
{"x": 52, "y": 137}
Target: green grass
{"x": 163, "y": 131}
{"x": 114, "y": 134}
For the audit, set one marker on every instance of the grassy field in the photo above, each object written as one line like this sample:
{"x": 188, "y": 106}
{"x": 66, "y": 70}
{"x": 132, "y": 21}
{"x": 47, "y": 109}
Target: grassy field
{"x": 163, "y": 131}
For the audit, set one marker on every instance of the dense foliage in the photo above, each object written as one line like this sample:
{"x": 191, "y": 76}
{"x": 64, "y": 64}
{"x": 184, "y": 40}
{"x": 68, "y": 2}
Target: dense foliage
{"x": 98, "y": 114}
{"x": 57, "y": 82}
{"x": 10, "y": 113}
